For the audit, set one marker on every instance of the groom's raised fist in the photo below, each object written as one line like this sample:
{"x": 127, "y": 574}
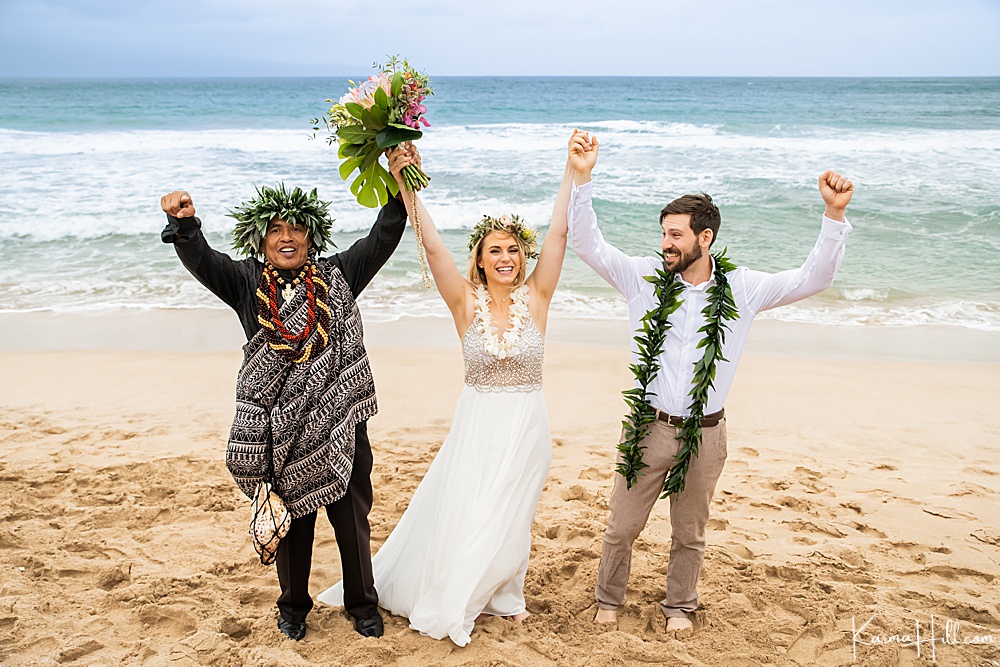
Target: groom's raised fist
{"x": 837, "y": 191}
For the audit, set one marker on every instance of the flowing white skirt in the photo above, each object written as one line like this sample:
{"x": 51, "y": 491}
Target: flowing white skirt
{"x": 461, "y": 547}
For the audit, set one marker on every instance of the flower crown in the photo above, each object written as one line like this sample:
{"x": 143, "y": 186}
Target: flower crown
{"x": 511, "y": 224}
{"x": 294, "y": 207}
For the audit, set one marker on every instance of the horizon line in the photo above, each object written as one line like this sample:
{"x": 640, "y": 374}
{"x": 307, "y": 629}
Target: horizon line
{"x": 144, "y": 77}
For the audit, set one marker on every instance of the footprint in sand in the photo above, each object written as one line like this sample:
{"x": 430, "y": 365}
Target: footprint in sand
{"x": 816, "y": 487}
{"x": 571, "y": 537}
{"x": 779, "y": 574}
{"x": 800, "y": 526}
{"x": 981, "y": 471}
{"x": 237, "y": 628}
{"x": 740, "y": 550}
{"x": 852, "y": 557}
{"x": 970, "y": 489}
{"x": 110, "y": 577}
{"x": 986, "y": 538}
{"x": 764, "y": 506}
{"x": 807, "y": 647}
{"x": 168, "y": 621}
{"x": 915, "y": 552}
{"x": 806, "y": 472}
{"x": 798, "y": 504}
{"x": 953, "y": 573}
{"x": 79, "y": 648}
{"x": 579, "y": 494}
{"x": 853, "y": 506}
{"x": 868, "y": 530}
{"x": 595, "y": 474}
{"x": 717, "y": 524}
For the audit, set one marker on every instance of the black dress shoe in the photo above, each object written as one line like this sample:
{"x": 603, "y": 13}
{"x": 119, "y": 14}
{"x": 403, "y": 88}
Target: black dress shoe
{"x": 370, "y": 627}
{"x": 291, "y": 630}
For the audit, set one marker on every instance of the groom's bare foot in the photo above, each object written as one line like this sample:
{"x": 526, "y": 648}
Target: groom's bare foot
{"x": 681, "y": 628}
{"x": 606, "y": 616}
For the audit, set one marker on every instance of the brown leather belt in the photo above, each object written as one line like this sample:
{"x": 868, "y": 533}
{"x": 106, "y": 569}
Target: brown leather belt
{"x": 706, "y": 421}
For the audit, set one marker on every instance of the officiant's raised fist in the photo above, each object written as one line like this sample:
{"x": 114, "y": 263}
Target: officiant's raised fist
{"x": 178, "y": 204}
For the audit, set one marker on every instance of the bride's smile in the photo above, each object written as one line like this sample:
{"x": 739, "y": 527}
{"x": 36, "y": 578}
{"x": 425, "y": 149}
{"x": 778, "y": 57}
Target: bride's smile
{"x": 501, "y": 259}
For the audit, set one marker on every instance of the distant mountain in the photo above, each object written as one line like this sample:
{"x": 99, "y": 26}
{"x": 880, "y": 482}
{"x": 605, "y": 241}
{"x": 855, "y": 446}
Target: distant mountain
{"x": 181, "y": 65}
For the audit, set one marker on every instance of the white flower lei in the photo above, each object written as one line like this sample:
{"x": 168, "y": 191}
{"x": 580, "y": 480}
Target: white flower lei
{"x": 502, "y": 349}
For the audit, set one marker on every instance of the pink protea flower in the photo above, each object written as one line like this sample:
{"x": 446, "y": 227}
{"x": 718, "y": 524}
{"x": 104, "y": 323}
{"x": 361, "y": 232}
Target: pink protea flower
{"x": 365, "y": 93}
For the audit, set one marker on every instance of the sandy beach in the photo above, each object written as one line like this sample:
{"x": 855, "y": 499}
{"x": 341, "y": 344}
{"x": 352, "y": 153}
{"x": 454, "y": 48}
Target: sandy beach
{"x": 858, "y": 505}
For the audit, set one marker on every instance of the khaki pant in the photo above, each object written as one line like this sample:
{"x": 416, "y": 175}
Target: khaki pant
{"x": 630, "y": 510}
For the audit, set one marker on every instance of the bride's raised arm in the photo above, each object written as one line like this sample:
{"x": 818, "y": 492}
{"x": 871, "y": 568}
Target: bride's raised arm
{"x": 452, "y": 285}
{"x": 544, "y": 278}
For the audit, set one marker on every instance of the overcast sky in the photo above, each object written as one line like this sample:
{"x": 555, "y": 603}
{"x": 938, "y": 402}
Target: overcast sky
{"x": 515, "y": 37}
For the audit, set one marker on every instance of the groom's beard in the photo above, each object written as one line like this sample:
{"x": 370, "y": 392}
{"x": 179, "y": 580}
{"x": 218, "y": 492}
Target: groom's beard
{"x": 685, "y": 261}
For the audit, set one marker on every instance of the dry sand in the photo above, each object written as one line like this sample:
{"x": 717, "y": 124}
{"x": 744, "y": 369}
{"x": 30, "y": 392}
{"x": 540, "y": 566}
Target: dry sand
{"x": 855, "y": 489}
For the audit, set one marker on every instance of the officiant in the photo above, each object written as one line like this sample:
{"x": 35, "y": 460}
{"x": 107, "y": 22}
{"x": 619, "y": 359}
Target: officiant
{"x": 305, "y": 391}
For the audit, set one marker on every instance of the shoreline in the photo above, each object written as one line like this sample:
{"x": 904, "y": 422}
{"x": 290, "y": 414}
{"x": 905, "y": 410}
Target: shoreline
{"x": 218, "y": 330}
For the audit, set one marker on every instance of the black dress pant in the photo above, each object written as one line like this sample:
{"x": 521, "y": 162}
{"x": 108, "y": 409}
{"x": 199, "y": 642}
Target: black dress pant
{"x": 349, "y": 517}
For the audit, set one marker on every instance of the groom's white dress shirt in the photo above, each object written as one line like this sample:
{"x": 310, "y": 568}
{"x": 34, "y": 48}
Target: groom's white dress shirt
{"x": 753, "y": 292}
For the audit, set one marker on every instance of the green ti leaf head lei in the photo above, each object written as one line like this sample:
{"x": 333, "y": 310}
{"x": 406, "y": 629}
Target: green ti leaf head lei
{"x": 509, "y": 224}
{"x": 294, "y": 207}
{"x": 650, "y": 338}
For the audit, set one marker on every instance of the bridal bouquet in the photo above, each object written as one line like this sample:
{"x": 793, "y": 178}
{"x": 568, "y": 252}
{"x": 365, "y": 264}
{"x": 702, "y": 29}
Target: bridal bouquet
{"x": 380, "y": 113}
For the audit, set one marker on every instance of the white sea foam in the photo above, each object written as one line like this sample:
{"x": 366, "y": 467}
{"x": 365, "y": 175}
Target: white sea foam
{"x": 865, "y": 294}
{"x": 967, "y": 314}
{"x": 396, "y": 294}
{"x": 157, "y": 142}
{"x": 83, "y": 184}
{"x": 386, "y": 306}
{"x": 88, "y": 203}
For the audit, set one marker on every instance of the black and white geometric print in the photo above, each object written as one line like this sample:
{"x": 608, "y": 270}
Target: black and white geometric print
{"x": 303, "y": 414}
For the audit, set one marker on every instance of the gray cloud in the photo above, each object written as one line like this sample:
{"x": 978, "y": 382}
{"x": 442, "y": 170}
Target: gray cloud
{"x": 663, "y": 37}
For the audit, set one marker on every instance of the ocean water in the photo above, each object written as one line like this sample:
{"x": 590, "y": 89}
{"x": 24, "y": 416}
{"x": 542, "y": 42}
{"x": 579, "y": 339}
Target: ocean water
{"x": 84, "y": 163}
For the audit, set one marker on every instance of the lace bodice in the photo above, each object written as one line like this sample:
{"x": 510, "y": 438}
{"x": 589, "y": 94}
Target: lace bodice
{"x": 485, "y": 372}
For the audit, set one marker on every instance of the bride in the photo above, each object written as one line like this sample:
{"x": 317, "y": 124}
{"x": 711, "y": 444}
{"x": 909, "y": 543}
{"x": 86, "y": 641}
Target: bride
{"x": 460, "y": 550}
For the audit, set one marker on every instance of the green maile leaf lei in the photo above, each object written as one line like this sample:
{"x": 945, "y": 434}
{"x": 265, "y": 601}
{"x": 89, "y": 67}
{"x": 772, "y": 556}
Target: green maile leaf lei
{"x": 650, "y": 337}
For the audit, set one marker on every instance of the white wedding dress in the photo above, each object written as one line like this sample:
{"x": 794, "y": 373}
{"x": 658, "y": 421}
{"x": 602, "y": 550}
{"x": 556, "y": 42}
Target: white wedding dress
{"x": 461, "y": 547}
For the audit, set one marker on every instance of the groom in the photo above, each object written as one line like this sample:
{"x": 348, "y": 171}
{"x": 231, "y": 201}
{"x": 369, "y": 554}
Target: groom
{"x": 305, "y": 390}
{"x": 689, "y": 225}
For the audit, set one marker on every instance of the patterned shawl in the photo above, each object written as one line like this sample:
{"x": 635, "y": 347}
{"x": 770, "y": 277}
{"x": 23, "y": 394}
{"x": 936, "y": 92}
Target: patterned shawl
{"x": 306, "y": 412}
